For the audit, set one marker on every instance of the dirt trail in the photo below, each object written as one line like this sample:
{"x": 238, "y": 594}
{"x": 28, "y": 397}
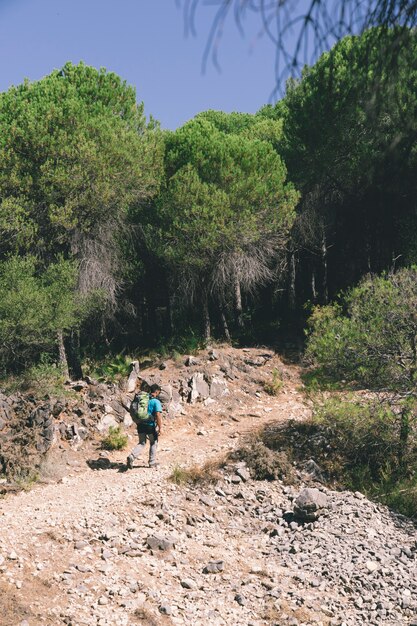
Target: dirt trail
{"x": 52, "y": 568}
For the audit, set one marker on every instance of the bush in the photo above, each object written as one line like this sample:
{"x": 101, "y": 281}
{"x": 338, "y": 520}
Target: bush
{"x": 113, "y": 368}
{"x": 354, "y": 443}
{"x": 197, "y": 474}
{"x": 274, "y": 387}
{"x": 370, "y": 337}
{"x": 115, "y": 439}
{"x": 265, "y": 463}
{"x": 363, "y": 435}
{"x": 44, "y": 378}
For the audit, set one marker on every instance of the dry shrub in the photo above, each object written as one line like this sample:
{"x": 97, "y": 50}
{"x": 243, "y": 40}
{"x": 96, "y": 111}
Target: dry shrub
{"x": 267, "y": 464}
{"x": 198, "y": 474}
{"x": 278, "y": 613}
{"x": 144, "y": 616}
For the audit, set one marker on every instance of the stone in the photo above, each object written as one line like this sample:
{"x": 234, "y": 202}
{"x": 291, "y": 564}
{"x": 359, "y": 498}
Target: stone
{"x": 133, "y": 377}
{"x": 218, "y": 388}
{"x": 256, "y": 361}
{"x": 103, "y": 600}
{"x": 372, "y": 566}
{"x": 165, "y": 396}
{"x": 310, "y": 504}
{"x": 188, "y": 583}
{"x": 214, "y": 567}
{"x": 106, "y": 554}
{"x": 156, "y": 542}
{"x": 127, "y": 420}
{"x": 240, "y": 599}
{"x": 200, "y": 389}
{"x": 208, "y": 501}
{"x": 191, "y": 360}
{"x": 107, "y": 421}
{"x": 243, "y": 473}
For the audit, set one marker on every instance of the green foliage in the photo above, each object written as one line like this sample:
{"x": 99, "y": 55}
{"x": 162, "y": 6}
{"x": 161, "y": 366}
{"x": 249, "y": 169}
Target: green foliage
{"x": 360, "y": 436}
{"x": 75, "y": 151}
{"x": 76, "y": 155}
{"x": 34, "y": 306}
{"x": 370, "y": 339}
{"x": 354, "y": 444}
{"x": 274, "y": 387}
{"x": 349, "y": 145}
{"x": 189, "y": 343}
{"x": 115, "y": 439}
{"x": 400, "y": 495}
{"x": 371, "y": 336}
{"x": 45, "y": 378}
{"x": 225, "y": 210}
{"x": 113, "y": 368}
{"x": 361, "y": 451}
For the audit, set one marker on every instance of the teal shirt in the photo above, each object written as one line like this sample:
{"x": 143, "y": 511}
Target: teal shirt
{"x": 154, "y": 406}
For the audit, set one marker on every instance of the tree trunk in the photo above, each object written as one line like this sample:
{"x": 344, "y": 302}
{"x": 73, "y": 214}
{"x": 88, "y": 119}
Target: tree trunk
{"x": 62, "y": 355}
{"x": 238, "y": 304}
{"x": 224, "y": 324}
{"x": 73, "y": 355}
{"x": 170, "y": 312}
{"x": 206, "y": 316}
{"x": 405, "y": 428}
{"x": 324, "y": 267}
{"x": 291, "y": 294}
{"x": 313, "y": 286}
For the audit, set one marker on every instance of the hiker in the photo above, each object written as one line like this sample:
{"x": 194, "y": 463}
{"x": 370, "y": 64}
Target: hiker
{"x": 146, "y": 412}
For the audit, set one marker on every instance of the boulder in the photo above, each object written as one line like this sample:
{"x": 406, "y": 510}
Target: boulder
{"x": 127, "y": 420}
{"x": 191, "y": 360}
{"x": 156, "y": 542}
{"x": 256, "y": 361}
{"x": 218, "y": 388}
{"x": 199, "y": 386}
{"x": 310, "y": 504}
{"x": 133, "y": 376}
{"x": 166, "y": 395}
{"x": 106, "y": 422}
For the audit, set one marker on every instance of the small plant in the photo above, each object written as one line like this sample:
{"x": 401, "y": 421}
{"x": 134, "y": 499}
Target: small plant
{"x": 274, "y": 387}
{"x": 44, "y": 378}
{"x": 115, "y": 439}
{"x": 196, "y": 474}
{"x": 114, "y": 368}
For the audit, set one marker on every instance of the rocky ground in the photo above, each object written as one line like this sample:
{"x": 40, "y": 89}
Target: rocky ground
{"x": 109, "y": 547}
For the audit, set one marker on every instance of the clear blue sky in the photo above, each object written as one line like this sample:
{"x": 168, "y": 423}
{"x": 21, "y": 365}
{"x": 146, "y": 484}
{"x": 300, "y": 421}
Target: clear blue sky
{"x": 143, "y": 41}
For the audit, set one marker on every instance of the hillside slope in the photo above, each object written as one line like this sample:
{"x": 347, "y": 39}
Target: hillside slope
{"x": 108, "y": 547}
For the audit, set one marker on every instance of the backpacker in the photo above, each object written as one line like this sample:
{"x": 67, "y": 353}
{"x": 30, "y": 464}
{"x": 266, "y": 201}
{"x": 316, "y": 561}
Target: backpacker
{"x": 139, "y": 408}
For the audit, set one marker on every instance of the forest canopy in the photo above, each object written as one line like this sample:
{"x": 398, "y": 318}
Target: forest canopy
{"x": 117, "y": 235}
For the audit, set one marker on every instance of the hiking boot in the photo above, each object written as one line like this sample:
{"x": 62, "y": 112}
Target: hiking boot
{"x": 129, "y": 462}
{"x": 154, "y": 464}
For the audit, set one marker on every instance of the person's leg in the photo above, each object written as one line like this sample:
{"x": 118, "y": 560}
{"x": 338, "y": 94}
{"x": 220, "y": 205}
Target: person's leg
{"x": 152, "y": 450}
{"x": 137, "y": 450}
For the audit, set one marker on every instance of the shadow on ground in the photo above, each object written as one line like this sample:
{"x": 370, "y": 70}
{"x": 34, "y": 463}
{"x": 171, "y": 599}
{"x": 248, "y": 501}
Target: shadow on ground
{"x": 106, "y": 464}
